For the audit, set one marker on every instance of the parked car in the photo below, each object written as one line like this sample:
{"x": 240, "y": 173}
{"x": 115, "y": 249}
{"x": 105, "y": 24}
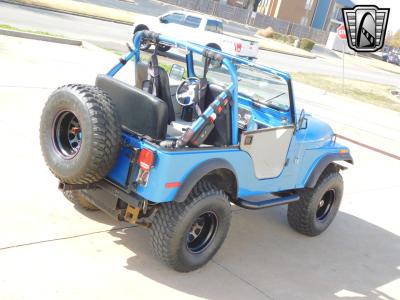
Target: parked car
{"x": 128, "y": 151}
{"x": 385, "y": 53}
{"x": 199, "y": 29}
{"x": 393, "y": 58}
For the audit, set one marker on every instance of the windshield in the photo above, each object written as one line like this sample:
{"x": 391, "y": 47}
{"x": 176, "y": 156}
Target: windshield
{"x": 262, "y": 88}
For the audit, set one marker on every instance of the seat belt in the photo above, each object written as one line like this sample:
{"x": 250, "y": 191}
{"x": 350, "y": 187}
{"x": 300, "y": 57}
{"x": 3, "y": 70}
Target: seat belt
{"x": 203, "y": 88}
{"x": 152, "y": 84}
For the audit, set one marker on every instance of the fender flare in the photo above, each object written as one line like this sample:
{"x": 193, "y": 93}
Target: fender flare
{"x": 198, "y": 173}
{"x": 323, "y": 163}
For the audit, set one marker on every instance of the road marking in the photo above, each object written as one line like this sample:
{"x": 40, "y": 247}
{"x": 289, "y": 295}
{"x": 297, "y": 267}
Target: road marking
{"x": 383, "y": 152}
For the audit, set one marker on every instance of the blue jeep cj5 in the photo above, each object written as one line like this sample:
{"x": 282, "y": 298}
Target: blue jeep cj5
{"x": 173, "y": 151}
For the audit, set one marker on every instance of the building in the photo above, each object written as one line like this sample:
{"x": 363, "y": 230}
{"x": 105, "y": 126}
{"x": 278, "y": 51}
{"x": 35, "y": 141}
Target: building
{"x": 295, "y": 11}
{"x": 328, "y": 14}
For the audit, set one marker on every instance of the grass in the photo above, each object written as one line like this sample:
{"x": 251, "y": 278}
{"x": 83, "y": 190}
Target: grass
{"x": 86, "y": 9}
{"x": 364, "y": 91}
{"x": 8, "y": 27}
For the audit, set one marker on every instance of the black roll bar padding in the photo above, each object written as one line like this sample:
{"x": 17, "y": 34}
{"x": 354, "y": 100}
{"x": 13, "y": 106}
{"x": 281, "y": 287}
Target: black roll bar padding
{"x": 151, "y": 36}
{"x": 123, "y": 61}
{"x": 213, "y": 55}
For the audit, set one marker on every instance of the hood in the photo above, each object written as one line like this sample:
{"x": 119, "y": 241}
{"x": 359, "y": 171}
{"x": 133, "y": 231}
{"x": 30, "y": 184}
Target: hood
{"x": 317, "y": 133}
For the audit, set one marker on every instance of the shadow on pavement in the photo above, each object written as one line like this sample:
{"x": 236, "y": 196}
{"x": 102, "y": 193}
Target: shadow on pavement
{"x": 265, "y": 254}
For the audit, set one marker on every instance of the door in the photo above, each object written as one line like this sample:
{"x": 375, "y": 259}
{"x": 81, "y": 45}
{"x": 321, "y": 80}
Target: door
{"x": 268, "y": 149}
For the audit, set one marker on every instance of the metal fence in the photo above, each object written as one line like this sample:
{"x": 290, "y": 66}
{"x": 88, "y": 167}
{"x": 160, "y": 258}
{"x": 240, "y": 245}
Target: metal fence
{"x": 243, "y": 16}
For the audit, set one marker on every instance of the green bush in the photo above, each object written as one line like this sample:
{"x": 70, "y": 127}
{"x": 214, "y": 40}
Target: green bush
{"x": 277, "y": 36}
{"x": 284, "y": 38}
{"x": 307, "y": 44}
{"x": 291, "y": 39}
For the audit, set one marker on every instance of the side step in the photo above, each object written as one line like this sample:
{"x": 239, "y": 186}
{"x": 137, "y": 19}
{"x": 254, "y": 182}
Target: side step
{"x": 266, "y": 203}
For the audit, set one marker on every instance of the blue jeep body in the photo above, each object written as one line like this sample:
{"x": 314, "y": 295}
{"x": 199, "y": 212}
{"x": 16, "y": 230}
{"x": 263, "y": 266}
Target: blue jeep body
{"x": 231, "y": 134}
{"x": 310, "y": 151}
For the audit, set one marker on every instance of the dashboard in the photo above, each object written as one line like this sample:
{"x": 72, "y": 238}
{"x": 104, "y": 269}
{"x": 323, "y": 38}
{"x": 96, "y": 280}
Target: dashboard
{"x": 249, "y": 120}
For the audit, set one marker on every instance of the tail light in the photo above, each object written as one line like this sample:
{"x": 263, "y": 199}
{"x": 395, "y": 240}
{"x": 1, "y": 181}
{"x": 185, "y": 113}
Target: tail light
{"x": 146, "y": 159}
{"x": 238, "y": 47}
{"x": 145, "y": 162}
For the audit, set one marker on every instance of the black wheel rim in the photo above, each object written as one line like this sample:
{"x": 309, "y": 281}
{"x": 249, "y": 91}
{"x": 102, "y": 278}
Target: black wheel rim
{"x": 325, "y": 205}
{"x": 202, "y": 232}
{"x": 67, "y": 134}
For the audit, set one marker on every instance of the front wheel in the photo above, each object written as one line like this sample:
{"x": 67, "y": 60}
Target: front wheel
{"x": 185, "y": 236}
{"x": 317, "y": 207}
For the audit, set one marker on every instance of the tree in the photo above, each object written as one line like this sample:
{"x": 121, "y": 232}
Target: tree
{"x": 394, "y": 40}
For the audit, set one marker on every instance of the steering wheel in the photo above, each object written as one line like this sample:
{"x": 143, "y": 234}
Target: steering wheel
{"x": 188, "y": 92}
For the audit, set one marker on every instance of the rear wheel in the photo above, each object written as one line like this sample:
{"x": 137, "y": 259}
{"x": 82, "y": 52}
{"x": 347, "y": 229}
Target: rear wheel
{"x": 317, "y": 207}
{"x": 185, "y": 236}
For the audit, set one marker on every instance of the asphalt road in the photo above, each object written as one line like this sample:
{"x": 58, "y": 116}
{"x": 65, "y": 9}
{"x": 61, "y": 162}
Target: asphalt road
{"x": 114, "y": 36}
{"x": 157, "y": 8}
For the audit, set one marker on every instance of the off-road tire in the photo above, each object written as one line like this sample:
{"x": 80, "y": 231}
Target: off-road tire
{"x": 79, "y": 198}
{"x": 302, "y": 214}
{"x": 172, "y": 223}
{"x": 100, "y": 134}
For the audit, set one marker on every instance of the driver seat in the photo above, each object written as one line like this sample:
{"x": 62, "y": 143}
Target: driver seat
{"x": 141, "y": 72}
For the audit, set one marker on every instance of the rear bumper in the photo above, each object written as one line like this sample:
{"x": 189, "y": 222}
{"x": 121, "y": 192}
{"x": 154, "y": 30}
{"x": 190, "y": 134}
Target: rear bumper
{"x": 110, "y": 198}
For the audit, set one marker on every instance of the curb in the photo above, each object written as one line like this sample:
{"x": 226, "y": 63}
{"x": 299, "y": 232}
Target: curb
{"x": 287, "y": 53}
{"x": 310, "y": 56}
{"x": 67, "y": 12}
{"x": 40, "y": 37}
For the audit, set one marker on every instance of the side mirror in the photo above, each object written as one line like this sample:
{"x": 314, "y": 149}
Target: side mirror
{"x": 303, "y": 121}
{"x": 177, "y": 72}
{"x": 162, "y": 20}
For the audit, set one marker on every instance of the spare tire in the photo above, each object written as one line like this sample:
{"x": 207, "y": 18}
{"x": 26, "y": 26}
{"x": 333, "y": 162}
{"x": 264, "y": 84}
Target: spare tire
{"x": 80, "y": 134}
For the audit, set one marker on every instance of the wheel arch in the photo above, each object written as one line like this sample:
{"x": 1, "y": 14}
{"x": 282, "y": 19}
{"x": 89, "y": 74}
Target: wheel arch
{"x": 140, "y": 27}
{"x": 326, "y": 162}
{"x": 220, "y": 172}
{"x": 214, "y": 46}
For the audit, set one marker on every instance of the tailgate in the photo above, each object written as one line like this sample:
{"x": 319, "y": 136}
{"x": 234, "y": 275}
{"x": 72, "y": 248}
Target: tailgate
{"x": 248, "y": 49}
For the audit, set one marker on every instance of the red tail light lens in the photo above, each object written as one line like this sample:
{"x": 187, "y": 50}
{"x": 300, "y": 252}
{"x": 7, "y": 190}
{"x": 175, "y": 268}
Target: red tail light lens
{"x": 238, "y": 47}
{"x": 146, "y": 159}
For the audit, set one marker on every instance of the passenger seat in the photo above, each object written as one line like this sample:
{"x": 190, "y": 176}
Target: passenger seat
{"x": 165, "y": 93}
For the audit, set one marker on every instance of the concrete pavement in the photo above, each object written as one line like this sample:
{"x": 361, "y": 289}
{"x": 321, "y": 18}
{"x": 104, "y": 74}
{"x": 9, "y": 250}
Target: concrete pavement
{"x": 50, "y": 250}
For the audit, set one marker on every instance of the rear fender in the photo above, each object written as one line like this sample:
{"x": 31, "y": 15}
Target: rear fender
{"x": 198, "y": 173}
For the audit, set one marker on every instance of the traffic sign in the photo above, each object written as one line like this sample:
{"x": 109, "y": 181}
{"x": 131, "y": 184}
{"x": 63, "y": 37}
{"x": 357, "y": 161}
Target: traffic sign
{"x": 341, "y": 32}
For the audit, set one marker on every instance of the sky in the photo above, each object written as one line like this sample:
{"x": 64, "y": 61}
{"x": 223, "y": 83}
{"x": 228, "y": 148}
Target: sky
{"x": 394, "y": 15}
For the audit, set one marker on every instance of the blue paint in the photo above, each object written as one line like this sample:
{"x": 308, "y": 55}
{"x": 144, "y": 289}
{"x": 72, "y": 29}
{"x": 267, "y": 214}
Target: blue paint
{"x": 306, "y": 148}
{"x": 323, "y": 11}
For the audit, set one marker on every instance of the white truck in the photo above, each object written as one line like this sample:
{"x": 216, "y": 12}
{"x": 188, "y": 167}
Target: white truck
{"x": 200, "y": 29}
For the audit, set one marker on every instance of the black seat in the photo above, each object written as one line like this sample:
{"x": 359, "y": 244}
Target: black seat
{"x": 138, "y": 111}
{"x": 165, "y": 92}
{"x": 222, "y": 133}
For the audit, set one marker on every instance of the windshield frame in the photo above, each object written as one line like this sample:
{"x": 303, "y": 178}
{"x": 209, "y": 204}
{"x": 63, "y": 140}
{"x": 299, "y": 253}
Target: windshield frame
{"x": 291, "y": 112}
